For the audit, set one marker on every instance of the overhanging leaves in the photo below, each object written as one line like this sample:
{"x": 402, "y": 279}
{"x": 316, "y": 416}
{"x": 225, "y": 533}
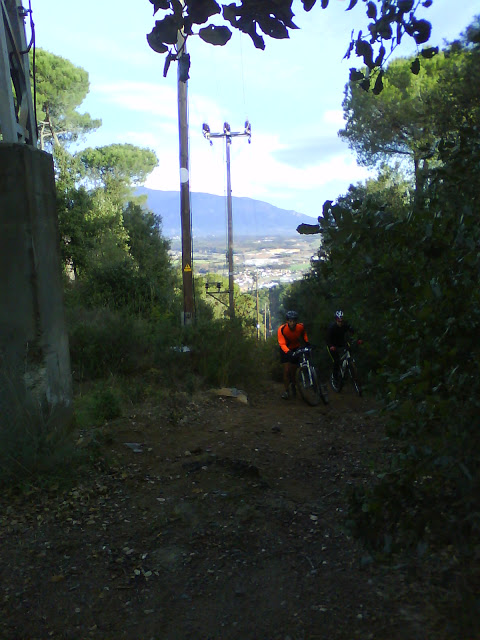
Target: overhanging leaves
{"x": 389, "y": 20}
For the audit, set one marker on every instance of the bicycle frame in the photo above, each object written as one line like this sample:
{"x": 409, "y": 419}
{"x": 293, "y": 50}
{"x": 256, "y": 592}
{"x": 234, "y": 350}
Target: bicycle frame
{"x": 305, "y": 364}
{"x": 346, "y": 358}
{"x": 346, "y": 364}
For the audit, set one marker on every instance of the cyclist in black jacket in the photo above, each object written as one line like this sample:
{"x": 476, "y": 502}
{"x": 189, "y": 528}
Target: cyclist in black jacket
{"x": 336, "y": 336}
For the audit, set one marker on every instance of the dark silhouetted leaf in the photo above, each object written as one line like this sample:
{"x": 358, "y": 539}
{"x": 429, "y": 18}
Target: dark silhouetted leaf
{"x": 384, "y": 28}
{"x": 404, "y": 6}
{"x": 351, "y": 5}
{"x": 356, "y": 75}
{"x": 177, "y": 7}
{"x": 166, "y": 30}
{"x": 324, "y": 4}
{"x": 273, "y": 28}
{"x": 258, "y": 41}
{"x": 415, "y": 66}
{"x": 308, "y": 4}
{"x": 230, "y": 13}
{"x": 399, "y": 33}
{"x": 371, "y": 10}
{"x": 365, "y": 84}
{"x": 349, "y": 50}
{"x": 160, "y": 4}
{"x": 308, "y": 229}
{"x": 378, "y": 87}
{"x": 429, "y": 53}
{"x": 201, "y": 10}
{"x": 380, "y": 57}
{"x": 215, "y": 35}
{"x": 365, "y": 50}
{"x": 155, "y": 42}
{"x": 421, "y": 31}
{"x": 168, "y": 61}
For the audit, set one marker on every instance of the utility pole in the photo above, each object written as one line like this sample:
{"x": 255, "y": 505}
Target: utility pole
{"x": 181, "y": 56}
{"x": 185, "y": 211}
{"x": 228, "y": 135}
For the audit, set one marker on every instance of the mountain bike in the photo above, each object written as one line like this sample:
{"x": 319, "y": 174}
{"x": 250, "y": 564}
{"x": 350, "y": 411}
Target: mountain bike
{"x": 347, "y": 366}
{"x": 308, "y": 384}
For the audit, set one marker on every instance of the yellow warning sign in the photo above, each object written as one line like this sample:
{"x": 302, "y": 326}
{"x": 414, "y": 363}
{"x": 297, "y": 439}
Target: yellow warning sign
{"x": 187, "y": 267}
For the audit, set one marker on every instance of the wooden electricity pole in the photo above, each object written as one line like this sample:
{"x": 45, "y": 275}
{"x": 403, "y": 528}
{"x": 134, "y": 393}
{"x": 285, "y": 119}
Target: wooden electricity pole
{"x": 185, "y": 210}
{"x": 228, "y": 135}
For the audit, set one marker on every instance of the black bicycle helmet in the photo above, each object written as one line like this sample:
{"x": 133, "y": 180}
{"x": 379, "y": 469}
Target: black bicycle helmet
{"x": 291, "y": 315}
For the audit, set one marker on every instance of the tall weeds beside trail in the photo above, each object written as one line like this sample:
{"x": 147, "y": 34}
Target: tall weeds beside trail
{"x": 34, "y": 450}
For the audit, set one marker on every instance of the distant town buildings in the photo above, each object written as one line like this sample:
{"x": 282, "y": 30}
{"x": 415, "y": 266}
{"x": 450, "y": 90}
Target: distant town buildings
{"x": 266, "y": 261}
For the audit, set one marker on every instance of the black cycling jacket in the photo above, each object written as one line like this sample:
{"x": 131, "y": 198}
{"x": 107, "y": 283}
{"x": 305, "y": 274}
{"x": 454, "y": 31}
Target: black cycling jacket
{"x": 336, "y": 334}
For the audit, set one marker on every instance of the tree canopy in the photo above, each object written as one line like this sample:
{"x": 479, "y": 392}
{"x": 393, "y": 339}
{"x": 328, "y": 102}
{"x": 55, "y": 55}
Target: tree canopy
{"x": 406, "y": 270}
{"x": 118, "y": 167}
{"x": 61, "y": 87}
{"x": 396, "y": 124}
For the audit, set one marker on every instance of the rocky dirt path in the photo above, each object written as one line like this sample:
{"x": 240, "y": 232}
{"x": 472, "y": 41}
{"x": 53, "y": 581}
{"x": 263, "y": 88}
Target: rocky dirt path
{"x": 208, "y": 519}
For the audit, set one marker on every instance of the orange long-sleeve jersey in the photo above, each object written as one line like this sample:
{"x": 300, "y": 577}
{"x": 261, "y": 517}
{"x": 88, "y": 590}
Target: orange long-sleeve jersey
{"x": 288, "y": 339}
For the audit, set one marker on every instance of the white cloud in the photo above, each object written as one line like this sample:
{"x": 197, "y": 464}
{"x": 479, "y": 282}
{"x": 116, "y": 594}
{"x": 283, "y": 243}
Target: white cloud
{"x": 335, "y": 117}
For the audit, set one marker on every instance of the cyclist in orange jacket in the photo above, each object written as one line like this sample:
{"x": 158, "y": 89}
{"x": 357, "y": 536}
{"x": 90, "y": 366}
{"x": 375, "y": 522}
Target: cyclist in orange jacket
{"x": 289, "y": 336}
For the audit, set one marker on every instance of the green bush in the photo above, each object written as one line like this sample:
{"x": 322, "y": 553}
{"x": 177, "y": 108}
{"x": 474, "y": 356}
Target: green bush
{"x": 103, "y": 343}
{"x": 225, "y": 353}
{"x": 100, "y": 402}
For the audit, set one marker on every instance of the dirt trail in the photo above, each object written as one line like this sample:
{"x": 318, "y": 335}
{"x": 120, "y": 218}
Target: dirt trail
{"x": 212, "y": 520}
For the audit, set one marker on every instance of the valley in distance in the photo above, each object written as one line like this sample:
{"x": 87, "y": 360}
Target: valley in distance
{"x": 266, "y": 246}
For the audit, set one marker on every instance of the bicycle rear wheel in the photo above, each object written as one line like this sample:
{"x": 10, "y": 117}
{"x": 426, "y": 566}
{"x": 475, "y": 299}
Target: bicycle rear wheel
{"x": 352, "y": 370}
{"x": 308, "y": 385}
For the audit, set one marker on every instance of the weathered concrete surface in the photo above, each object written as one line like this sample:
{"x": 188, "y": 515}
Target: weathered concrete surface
{"x": 35, "y": 373}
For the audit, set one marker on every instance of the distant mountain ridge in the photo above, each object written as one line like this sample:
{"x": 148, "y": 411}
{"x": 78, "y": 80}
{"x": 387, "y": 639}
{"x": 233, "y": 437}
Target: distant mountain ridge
{"x": 209, "y": 215}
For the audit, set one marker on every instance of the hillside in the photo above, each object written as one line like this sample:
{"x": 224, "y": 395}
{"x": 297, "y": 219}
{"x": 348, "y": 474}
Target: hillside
{"x": 209, "y": 215}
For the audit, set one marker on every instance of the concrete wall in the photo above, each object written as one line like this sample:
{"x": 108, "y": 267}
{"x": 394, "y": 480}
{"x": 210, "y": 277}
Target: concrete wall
{"x": 35, "y": 373}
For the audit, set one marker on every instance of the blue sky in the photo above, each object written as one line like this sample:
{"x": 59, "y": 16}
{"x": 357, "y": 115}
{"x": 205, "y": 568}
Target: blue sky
{"x": 291, "y": 93}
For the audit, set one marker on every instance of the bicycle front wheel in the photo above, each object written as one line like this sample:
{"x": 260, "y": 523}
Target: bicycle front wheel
{"x": 336, "y": 382}
{"x": 307, "y": 384}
